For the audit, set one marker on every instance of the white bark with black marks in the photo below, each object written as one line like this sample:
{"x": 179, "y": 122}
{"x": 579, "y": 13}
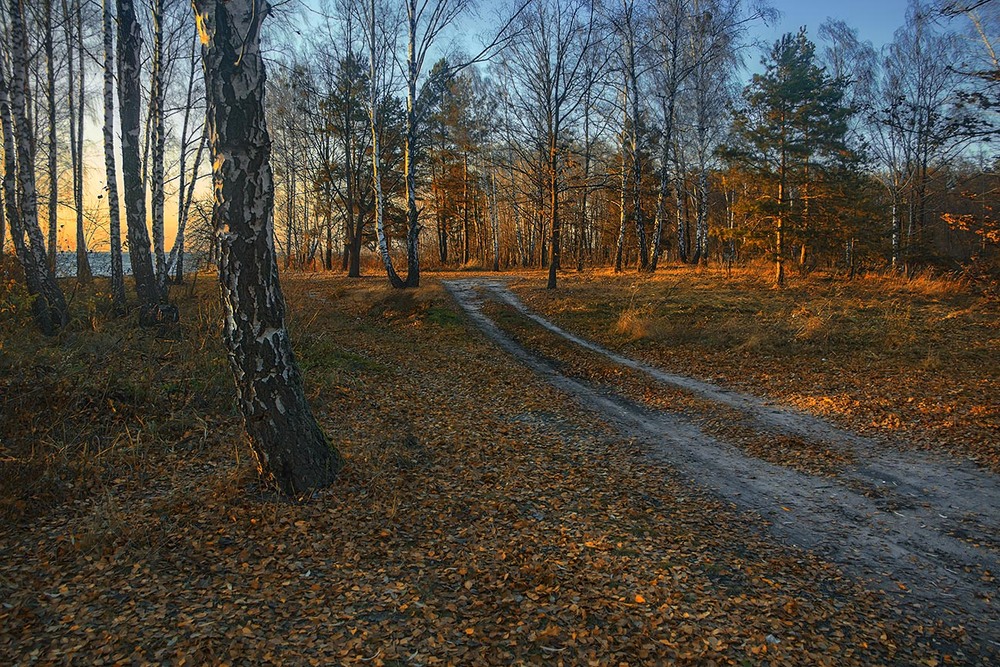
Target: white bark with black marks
{"x": 110, "y": 168}
{"x": 130, "y": 101}
{"x": 20, "y": 196}
{"x": 291, "y": 451}
{"x": 158, "y": 147}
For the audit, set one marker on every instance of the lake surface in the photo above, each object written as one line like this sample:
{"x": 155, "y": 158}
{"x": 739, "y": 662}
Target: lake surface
{"x": 100, "y": 263}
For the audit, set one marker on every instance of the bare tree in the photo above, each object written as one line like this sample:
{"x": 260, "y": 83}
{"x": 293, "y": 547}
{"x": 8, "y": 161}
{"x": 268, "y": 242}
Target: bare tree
{"x": 129, "y": 98}
{"x": 291, "y": 451}
{"x": 20, "y": 195}
{"x": 549, "y": 63}
{"x": 73, "y": 31}
{"x": 110, "y": 169}
{"x": 629, "y": 23}
{"x": 381, "y": 43}
{"x": 185, "y": 189}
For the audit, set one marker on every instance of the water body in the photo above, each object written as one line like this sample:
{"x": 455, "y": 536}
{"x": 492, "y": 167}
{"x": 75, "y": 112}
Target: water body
{"x": 100, "y": 263}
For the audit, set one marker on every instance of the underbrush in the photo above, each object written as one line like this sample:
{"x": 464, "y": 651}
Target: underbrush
{"x": 99, "y": 410}
{"x": 105, "y": 401}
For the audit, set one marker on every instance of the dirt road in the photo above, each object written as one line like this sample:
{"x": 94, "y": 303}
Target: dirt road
{"x": 924, "y": 530}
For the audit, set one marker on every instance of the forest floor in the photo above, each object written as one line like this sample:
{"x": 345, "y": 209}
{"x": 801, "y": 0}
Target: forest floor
{"x": 531, "y": 501}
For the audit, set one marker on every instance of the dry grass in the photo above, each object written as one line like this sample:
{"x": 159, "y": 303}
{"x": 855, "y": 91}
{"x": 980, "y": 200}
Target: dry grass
{"x": 866, "y": 352}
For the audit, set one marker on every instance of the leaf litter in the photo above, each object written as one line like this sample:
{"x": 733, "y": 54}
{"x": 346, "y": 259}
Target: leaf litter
{"x": 483, "y": 518}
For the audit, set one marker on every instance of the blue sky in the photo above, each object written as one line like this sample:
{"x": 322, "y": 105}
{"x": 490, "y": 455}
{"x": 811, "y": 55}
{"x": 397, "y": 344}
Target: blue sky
{"x": 875, "y": 20}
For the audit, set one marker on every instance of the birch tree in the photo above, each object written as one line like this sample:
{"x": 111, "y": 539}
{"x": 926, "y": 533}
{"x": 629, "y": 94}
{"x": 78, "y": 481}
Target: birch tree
{"x": 380, "y": 43}
{"x": 158, "y": 148}
{"x": 48, "y": 45}
{"x": 549, "y": 62}
{"x": 20, "y": 196}
{"x": 629, "y": 23}
{"x": 187, "y": 183}
{"x": 129, "y": 97}
{"x": 110, "y": 168}
{"x": 76, "y": 72}
{"x": 290, "y": 449}
{"x": 425, "y": 21}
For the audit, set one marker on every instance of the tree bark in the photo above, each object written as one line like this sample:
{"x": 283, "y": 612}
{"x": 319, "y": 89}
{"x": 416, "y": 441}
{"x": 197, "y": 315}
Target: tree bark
{"x": 409, "y": 169}
{"x": 495, "y": 220}
{"x": 110, "y": 169}
{"x": 291, "y": 451}
{"x": 623, "y": 190}
{"x": 375, "y": 123}
{"x": 50, "y": 81}
{"x": 129, "y": 102}
{"x": 20, "y": 196}
{"x": 465, "y": 211}
{"x": 158, "y": 146}
{"x": 554, "y": 247}
{"x": 83, "y": 273}
{"x": 779, "y": 231}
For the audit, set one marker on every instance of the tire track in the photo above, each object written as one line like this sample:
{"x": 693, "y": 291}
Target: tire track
{"x": 923, "y": 530}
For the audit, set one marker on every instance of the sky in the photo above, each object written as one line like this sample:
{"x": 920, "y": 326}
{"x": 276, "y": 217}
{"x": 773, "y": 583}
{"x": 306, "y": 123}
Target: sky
{"x": 875, "y": 20}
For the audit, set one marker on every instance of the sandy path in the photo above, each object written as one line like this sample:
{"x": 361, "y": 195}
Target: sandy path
{"x": 925, "y": 530}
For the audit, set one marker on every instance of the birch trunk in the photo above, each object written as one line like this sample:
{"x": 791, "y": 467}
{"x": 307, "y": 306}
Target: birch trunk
{"x": 158, "y": 148}
{"x": 409, "y": 170}
{"x": 373, "y": 116}
{"x": 110, "y": 169}
{"x": 662, "y": 193}
{"x": 50, "y": 81}
{"x": 680, "y": 201}
{"x": 633, "y": 82}
{"x": 495, "y": 220}
{"x": 129, "y": 102}
{"x": 83, "y": 273}
{"x": 465, "y": 211}
{"x": 623, "y": 190}
{"x": 554, "y": 248}
{"x": 20, "y": 196}
{"x": 291, "y": 451}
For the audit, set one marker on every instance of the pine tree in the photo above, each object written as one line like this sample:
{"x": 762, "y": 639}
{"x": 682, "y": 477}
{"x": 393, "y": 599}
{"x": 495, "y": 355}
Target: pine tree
{"x": 792, "y": 127}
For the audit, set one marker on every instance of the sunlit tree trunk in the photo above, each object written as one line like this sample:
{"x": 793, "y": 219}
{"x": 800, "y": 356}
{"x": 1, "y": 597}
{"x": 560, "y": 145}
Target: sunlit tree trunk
{"x": 291, "y": 451}
{"x": 465, "y": 211}
{"x": 110, "y": 169}
{"x": 623, "y": 189}
{"x": 556, "y": 223}
{"x": 627, "y": 28}
{"x": 680, "y": 202}
{"x": 495, "y": 220}
{"x": 779, "y": 228}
